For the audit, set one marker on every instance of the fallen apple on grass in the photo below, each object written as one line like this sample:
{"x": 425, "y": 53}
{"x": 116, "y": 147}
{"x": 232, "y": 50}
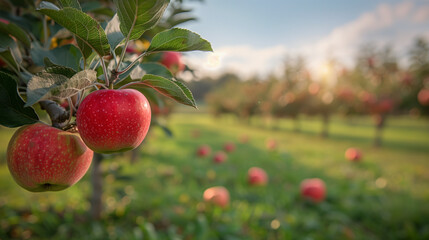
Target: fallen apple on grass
{"x": 203, "y": 151}
{"x": 313, "y": 189}
{"x": 353, "y": 154}
{"x": 257, "y": 176}
{"x": 229, "y": 147}
{"x": 218, "y": 196}
{"x": 220, "y": 157}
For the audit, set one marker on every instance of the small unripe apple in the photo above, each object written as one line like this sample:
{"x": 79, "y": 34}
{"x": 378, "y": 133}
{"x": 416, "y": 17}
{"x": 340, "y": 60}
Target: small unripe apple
{"x": 220, "y": 157}
{"x": 113, "y": 120}
{"x": 353, "y": 154}
{"x": 43, "y": 158}
{"x": 313, "y": 189}
{"x": 423, "y": 97}
{"x": 229, "y": 147}
{"x": 203, "y": 151}
{"x": 257, "y": 176}
{"x": 173, "y": 61}
{"x": 218, "y": 196}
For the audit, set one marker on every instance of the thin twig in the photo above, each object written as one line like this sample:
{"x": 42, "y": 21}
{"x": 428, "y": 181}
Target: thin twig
{"x": 133, "y": 63}
{"x": 103, "y": 64}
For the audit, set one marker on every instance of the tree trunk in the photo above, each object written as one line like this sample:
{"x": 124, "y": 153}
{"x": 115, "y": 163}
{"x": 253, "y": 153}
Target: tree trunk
{"x": 97, "y": 186}
{"x": 380, "y": 122}
{"x": 325, "y": 126}
{"x": 135, "y": 154}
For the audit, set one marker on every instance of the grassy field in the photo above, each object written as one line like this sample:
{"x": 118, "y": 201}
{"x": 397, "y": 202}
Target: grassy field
{"x": 159, "y": 196}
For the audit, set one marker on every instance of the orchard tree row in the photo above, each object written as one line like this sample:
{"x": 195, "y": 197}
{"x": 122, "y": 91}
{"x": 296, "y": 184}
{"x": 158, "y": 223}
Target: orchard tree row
{"x": 376, "y": 85}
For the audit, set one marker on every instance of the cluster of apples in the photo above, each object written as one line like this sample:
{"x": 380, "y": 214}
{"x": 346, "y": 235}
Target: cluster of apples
{"x": 219, "y": 195}
{"x": 43, "y": 158}
{"x": 312, "y": 189}
{"x": 219, "y": 156}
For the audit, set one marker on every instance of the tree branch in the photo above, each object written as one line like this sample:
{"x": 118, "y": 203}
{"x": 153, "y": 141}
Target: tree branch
{"x": 58, "y": 114}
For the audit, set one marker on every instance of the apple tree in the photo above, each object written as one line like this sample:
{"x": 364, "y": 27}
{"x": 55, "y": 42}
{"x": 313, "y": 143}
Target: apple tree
{"x": 69, "y": 65}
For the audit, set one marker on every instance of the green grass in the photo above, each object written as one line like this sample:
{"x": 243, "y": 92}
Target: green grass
{"x": 383, "y": 197}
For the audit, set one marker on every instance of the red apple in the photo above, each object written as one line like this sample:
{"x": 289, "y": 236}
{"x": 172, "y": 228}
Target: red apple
{"x": 220, "y": 157}
{"x": 313, "y": 189}
{"x": 173, "y": 61}
{"x": 203, "y": 151}
{"x": 229, "y": 147}
{"x": 218, "y": 196}
{"x": 353, "y": 154}
{"x": 113, "y": 120}
{"x": 43, "y": 158}
{"x": 257, "y": 176}
{"x": 423, "y": 97}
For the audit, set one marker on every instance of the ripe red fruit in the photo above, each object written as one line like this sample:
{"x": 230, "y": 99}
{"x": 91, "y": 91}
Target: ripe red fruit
{"x": 173, "y": 61}
{"x": 353, "y": 154}
{"x": 218, "y": 196}
{"x": 423, "y": 97}
{"x": 257, "y": 176}
{"x": 42, "y": 158}
{"x": 113, "y": 120}
{"x": 220, "y": 157}
{"x": 313, "y": 189}
{"x": 229, "y": 147}
{"x": 203, "y": 151}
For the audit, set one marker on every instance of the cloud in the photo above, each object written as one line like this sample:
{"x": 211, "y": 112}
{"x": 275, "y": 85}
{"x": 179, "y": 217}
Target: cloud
{"x": 244, "y": 60}
{"x": 396, "y": 24}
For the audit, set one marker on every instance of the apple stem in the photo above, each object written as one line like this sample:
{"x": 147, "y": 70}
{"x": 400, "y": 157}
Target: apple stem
{"x": 133, "y": 63}
{"x": 103, "y": 64}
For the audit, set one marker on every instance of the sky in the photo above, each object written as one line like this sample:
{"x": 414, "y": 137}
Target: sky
{"x": 253, "y": 37}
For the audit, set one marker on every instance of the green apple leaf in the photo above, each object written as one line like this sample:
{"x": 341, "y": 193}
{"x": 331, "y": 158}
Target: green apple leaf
{"x": 9, "y": 52}
{"x": 186, "y": 91}
{"x": 40, "y": 85}
{"x": 70, "y": 3}
{"x": 57, "y": 69}
{"x": 85, "y": 49}
{"x": 85, "y": 28}
{"x": 139, "y": 70}
{"x": 167, "y": 87}
{"x": 150, "y": 68}
{"x": 57, "y": 86}
{"x": 12, "y": 110}
{"x": 113, "y": 32}
{"x": 137, "y": 16}
{"x": 67, "y": 55}
{"x": 15, "y": 31}
{"x": 179, "y": 40}
{"x": 156, "y": 69}
{"x": 79, "y": 81}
